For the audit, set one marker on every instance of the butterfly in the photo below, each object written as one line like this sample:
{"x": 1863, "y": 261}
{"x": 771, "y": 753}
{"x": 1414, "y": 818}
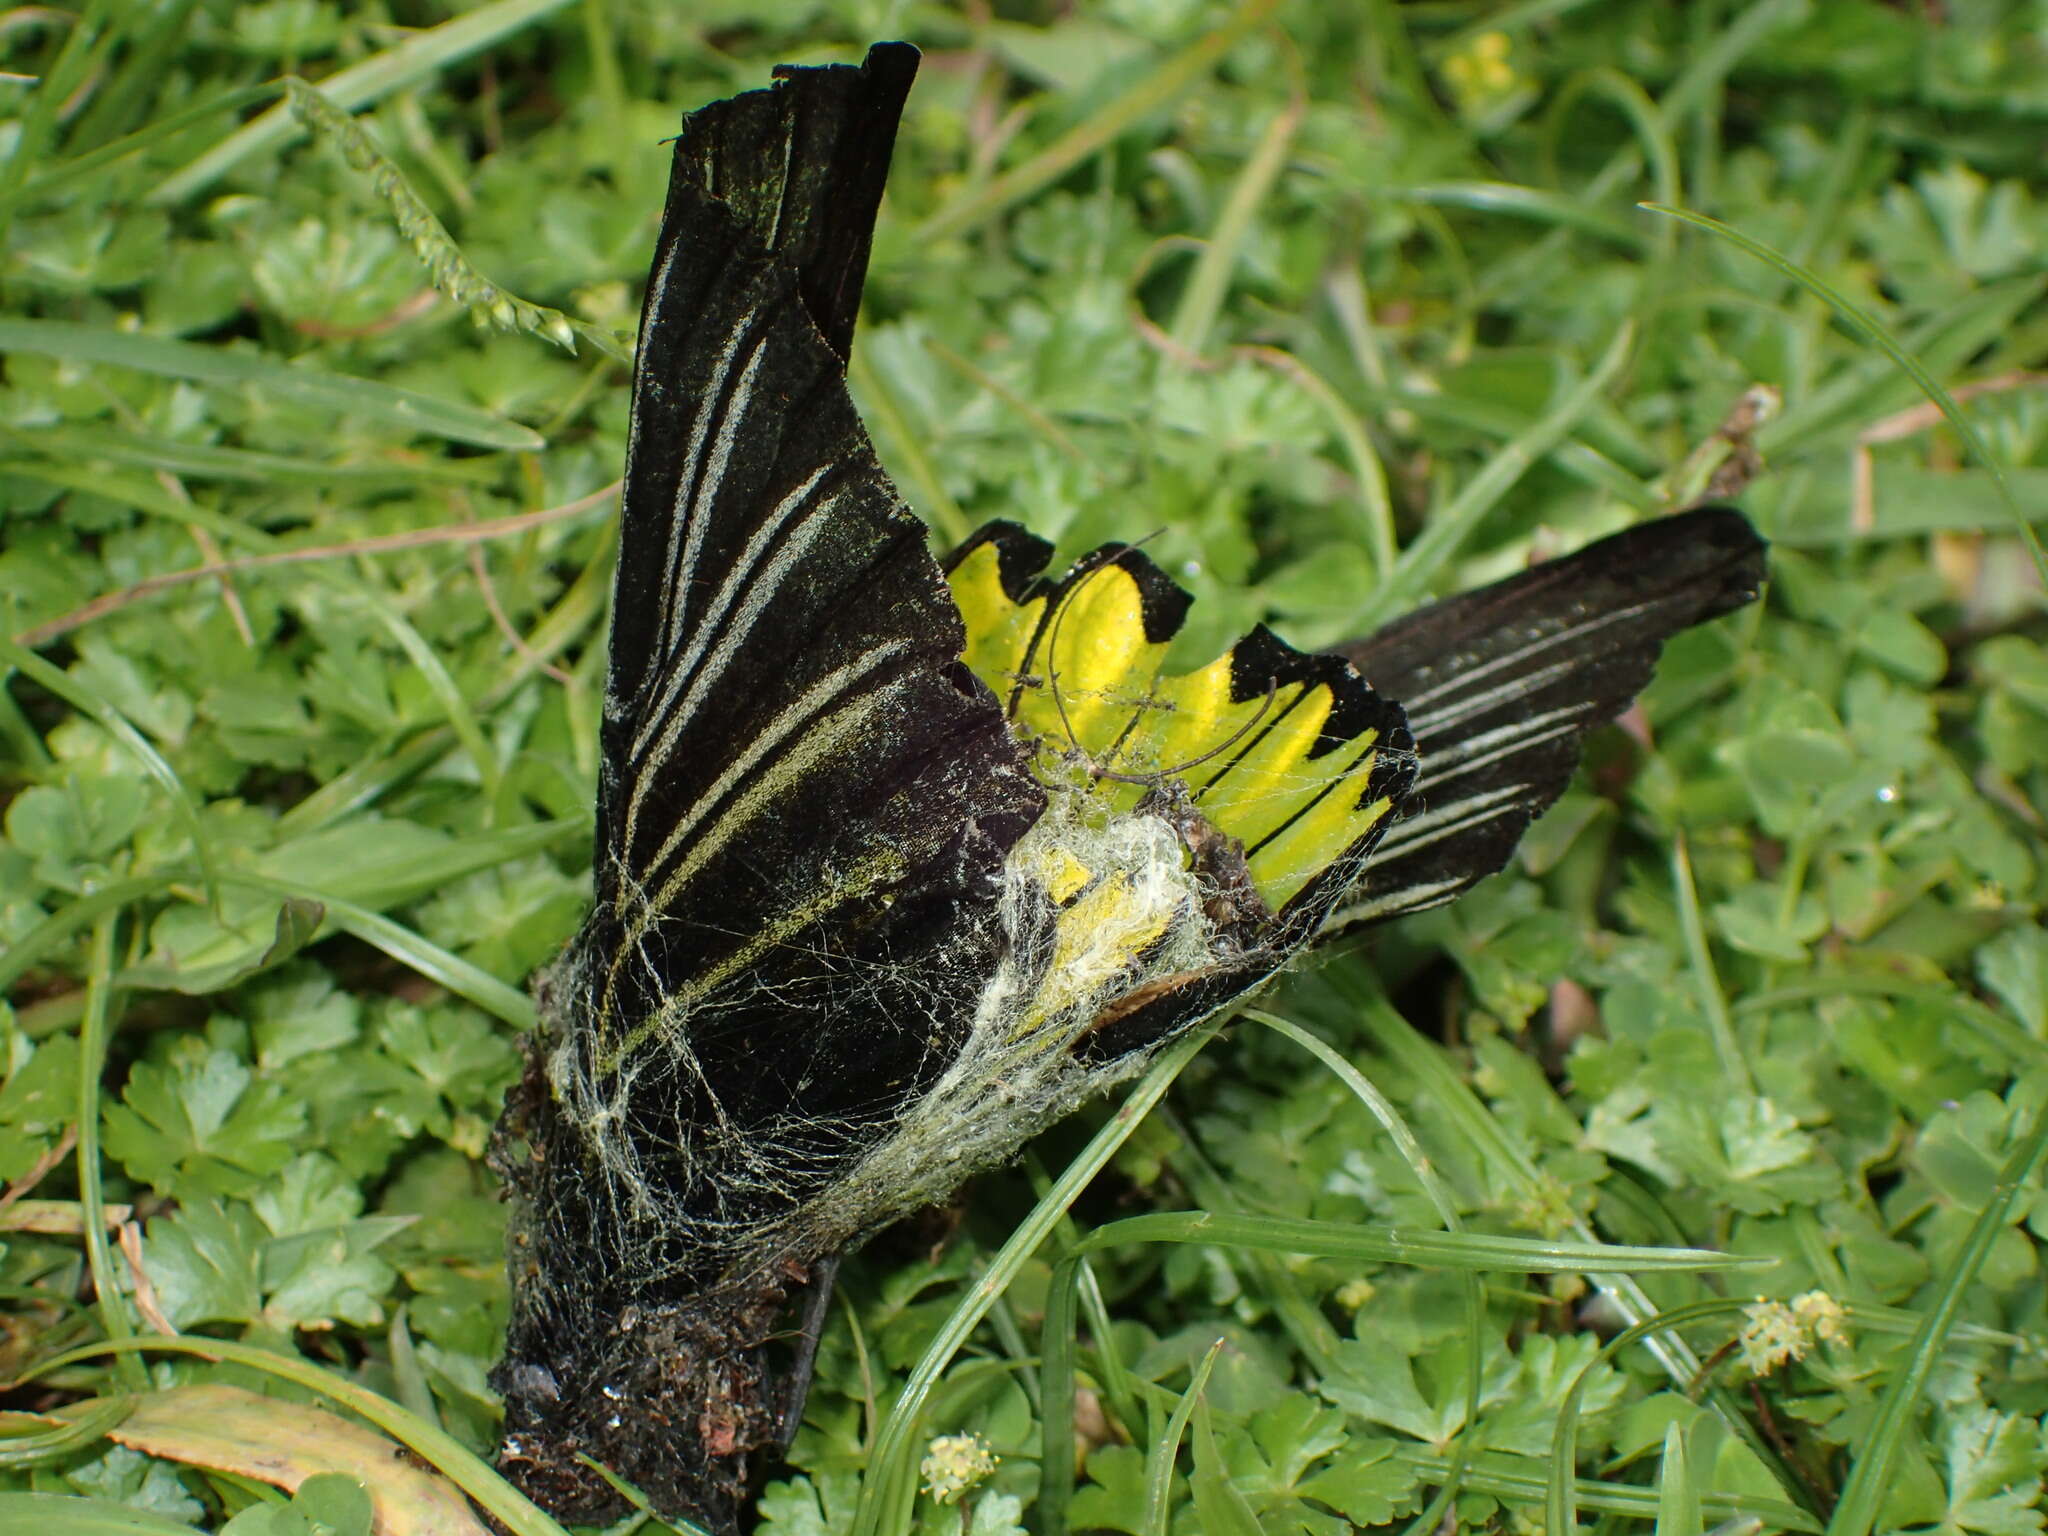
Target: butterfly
{"x": 898, "y": 861}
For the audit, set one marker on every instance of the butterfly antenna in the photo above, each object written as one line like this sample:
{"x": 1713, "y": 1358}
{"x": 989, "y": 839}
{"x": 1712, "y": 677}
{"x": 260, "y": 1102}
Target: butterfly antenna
{"x": 1052, "y": 669}
{"x": 1153, "y": 777}
{"x": 1098, "y": 770}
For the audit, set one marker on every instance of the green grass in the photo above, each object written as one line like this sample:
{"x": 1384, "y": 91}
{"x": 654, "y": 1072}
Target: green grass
{"x": 305, "y": 561}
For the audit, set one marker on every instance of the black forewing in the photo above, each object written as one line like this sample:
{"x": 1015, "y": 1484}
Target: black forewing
{"x": 806, "y": 799}
{"x": 804, "y": 168}
{"x": 1501, "y": 685}
{"x": 800, "y": 169}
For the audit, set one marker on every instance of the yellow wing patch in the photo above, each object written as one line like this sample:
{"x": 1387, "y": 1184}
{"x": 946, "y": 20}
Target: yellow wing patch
{"x": 1083, "y": 682}
{"x": 999, "y": 632}
{"x": 1096, "y": 669}
{"x": 1313, "y": 841}
{"x": 1191, "y": 719}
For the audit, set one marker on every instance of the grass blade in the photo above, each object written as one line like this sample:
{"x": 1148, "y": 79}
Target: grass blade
{"x": 1159, "y": 1461}
{"x": 1163, "y": 85}
{"x": 1873, "y": 331}
{"x": 430, "y": 1442}
{"x": 87, "y": 701}
{"x": 418, "y": 58}
{"x": 307, "y": 387}
{"x": 1871, "y": 1479}
{"x": 891, "y": 1481}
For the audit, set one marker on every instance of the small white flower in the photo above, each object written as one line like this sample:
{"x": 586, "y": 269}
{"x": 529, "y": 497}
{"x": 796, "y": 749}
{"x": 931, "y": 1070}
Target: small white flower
{"x": 1823, "y": 1314}
{"x": 955, "y": 1464}
{"x": 1774, "y": 1332}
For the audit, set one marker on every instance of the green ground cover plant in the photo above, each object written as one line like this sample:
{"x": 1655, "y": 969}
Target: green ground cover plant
{"x": 312, "y": 416}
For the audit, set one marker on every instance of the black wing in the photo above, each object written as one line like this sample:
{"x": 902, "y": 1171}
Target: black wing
{"x": 806, "y": 799}
{"x": 772, "y": 196}
{"x": 1501, "y": 685}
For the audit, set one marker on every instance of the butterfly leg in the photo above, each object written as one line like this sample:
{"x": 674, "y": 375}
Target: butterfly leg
{"x": 824, "y": 1276}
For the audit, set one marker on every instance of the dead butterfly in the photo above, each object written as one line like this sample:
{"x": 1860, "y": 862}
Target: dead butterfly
{"x": 896, "y": 864}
